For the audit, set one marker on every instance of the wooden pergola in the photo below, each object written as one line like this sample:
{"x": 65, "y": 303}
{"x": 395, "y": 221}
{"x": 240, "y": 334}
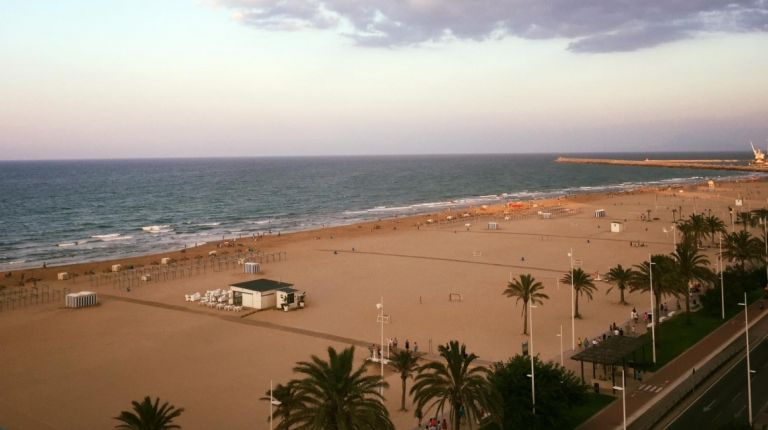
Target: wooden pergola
{"x": 614, "y": 350}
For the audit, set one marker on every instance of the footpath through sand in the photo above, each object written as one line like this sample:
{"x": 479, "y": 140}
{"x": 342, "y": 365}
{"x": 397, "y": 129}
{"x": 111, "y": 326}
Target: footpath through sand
{"x": 654, "y": 388}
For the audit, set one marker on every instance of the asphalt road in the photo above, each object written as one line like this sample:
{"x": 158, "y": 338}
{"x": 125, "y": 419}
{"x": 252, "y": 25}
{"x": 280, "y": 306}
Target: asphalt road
{"x": 726, "y": 401}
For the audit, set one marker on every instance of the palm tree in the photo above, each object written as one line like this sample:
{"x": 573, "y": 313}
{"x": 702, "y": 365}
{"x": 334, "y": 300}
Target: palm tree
{"x": 405, "y": 362}
{"x": 666, "y": 282}
{"x": 698, "y": 227}
{"x": 289, "y": 398}
{"x": 334, "y": 396}
{"x": 620, "y": 278}
{"x": 457, "y": 384}
{"x": 527, "y": 289}
{"x": 690, "y": 266}
{"x": 582, "y": 284}
{"x": 714, "y": 226}
{"x": 149, "y": 416}
{"x": 743, "y": 248}
{"x": 746, "y": 219}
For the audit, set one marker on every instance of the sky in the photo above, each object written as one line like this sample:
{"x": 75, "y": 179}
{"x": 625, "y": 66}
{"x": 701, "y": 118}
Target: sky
{"x": 198, "y": 78}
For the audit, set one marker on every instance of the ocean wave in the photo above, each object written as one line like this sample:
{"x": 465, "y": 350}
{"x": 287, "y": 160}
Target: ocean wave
{"x": 65, "y": 244}
{"x": 105, "y": 236}
{"x": 260, "y": 222}
{"x": 111, "y": 239}
{"x": 157, "y": 228}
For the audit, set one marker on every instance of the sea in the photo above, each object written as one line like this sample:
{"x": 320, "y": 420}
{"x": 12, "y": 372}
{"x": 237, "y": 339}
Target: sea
{"x": 60, "y": 212}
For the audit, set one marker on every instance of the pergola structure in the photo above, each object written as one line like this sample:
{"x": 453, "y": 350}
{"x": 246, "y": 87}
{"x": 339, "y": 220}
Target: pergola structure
{"x": 614, "y": 350}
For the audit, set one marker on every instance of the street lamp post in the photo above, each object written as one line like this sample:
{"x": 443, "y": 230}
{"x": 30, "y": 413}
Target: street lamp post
{"x": 573, "y": 307}
{"x": 653, "y": 308}
{"x": 560, "y": 335}
{"x": 765, "y": 240}
{"x": 674, "y": 236}
{"x": 722, "y": 290}
{"x": 531, "y": 306}
{"x": 623, "y": 398}
{"x": 380, "y": 307}
{"x": 749, "y": 368}
{"x": 272, "y": 402}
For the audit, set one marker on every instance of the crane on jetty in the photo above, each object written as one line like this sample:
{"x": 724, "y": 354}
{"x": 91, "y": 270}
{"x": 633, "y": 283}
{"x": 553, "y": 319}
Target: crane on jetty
{"x": 759, "y": 155}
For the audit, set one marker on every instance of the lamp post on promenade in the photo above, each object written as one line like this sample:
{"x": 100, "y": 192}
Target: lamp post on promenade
{"x": 653, "y": 307}
{"x": 749, "y": 368}
{"x": 623, "y": 390}
{"x": 573, "y": 306}
{"x": 532, "y": 375}
{"x": 272, "y": 402}
{"x": 380, "y": 318}
{"x": 560, "y": 335}
{"x": 722, "y": 290}
{"x": 765, "y": 240}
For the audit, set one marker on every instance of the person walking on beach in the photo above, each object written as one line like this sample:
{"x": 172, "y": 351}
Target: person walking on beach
{"x": 415, "y": 346}
{"x": 407, "y": 345}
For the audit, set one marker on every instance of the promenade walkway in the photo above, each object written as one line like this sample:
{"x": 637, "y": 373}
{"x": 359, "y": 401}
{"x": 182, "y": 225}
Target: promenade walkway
{"x": 653, "y": 388}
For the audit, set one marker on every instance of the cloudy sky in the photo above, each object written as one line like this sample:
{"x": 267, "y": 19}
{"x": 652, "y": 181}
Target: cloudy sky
{"x": 159, "y": 78}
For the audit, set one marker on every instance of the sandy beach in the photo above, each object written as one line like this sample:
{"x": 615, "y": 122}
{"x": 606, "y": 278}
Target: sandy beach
{"x": 67, "y": 368}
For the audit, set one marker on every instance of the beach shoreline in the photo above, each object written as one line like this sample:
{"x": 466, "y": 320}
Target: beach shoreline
{"x": 272, "y": 242}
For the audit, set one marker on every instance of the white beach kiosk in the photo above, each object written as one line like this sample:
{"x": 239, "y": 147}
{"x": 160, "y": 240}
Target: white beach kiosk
{"x": 266, "y": 293}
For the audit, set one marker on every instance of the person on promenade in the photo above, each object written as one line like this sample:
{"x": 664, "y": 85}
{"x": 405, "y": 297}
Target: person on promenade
{"x": 444, "y": 426}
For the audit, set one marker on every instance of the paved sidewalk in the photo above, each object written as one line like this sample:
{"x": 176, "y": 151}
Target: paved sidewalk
{"x": 640, "y": 399}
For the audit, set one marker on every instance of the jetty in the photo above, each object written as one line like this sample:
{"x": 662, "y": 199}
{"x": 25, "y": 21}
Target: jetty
{"x": 674, "y": 164}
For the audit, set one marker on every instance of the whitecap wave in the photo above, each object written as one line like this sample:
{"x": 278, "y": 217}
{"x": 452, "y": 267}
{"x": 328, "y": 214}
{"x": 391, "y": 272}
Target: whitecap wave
{"x": 105, "y": 236}
{"x": 65, "y": 244}
{"x": 157, "y": 228}
{"x": 111, "y": 239}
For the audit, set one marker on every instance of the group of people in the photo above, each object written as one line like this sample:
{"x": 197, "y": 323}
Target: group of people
{"x": 392, "y": 345}
{"x": 613, "y": 330}
{"x": 435, "y": 424}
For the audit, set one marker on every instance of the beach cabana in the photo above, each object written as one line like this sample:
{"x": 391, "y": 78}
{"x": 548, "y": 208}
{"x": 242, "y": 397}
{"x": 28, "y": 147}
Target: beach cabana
{"x": 81, "y": 300}
{"x": 617, "y": 226}
{"x": 257, "y": 294}
{"x": 600, "y": 213}
{"x": 493, "y": 226}
{"x": 63, "y": 276}
{"x": 117, "y": 267}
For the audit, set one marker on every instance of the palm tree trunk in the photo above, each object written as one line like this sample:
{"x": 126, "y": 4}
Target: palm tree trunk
{"x": 525, "y": 318}
{"x": 456, "y": 424}
{"x": 402, "y": 402}
{"x": 622, "y": 301}
{"x": 576, "y": 307}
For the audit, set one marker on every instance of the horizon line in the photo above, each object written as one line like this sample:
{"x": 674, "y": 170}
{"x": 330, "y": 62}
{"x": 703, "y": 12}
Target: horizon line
{"x": 373, "y": 155}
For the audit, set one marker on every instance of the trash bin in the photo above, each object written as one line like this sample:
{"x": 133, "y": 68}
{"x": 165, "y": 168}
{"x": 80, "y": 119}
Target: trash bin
{"x": 525, "y": 348}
